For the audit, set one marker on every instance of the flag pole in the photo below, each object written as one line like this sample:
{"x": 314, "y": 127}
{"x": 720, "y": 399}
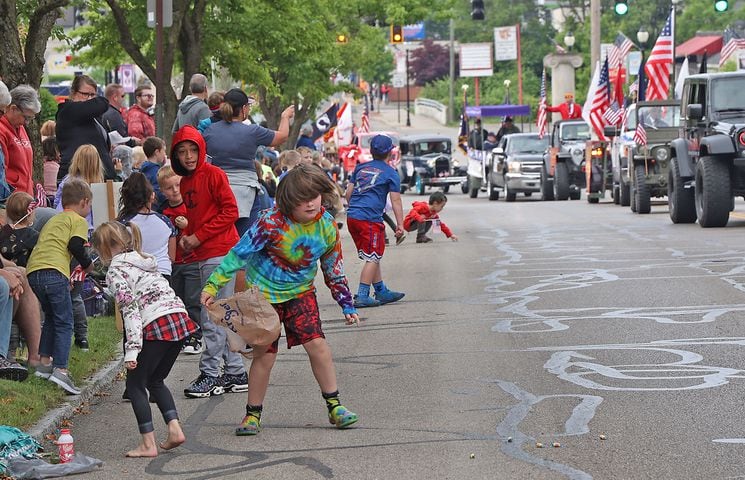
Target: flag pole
{"x": 519, "y": 69}
{"x": 672, "y": 23}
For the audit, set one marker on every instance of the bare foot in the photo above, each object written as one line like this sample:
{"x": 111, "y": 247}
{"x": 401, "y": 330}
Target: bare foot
{"x": 142, "y": 451}
{"x": 173, "y": 441}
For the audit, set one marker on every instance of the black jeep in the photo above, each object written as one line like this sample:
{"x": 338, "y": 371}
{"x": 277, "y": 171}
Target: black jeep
{"x": 707, "y": 170}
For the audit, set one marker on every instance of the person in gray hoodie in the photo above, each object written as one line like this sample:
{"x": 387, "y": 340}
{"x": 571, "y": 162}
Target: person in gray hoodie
{"x": 193, "y": 108}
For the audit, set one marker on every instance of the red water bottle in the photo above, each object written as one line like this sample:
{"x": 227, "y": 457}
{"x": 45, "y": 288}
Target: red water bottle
{"x": 65, "y": 446}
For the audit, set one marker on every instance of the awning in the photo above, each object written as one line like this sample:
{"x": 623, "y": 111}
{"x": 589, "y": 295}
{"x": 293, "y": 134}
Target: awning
{"x": 497, "y": 110}
{"x": 711, "y": 44}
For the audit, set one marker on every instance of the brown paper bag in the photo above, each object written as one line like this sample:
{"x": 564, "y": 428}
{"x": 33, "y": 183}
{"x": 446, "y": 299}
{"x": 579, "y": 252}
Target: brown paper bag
{"x": 248, "y": 318}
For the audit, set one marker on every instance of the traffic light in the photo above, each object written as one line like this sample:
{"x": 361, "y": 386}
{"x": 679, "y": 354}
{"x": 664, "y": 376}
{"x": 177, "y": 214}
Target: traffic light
{"x": 621, "y": 7}
{"x": 342, "y": 38}
{"x": 477, "y": 9}
{"x": 721, "y": 5}
{"x": 397, "y": 34}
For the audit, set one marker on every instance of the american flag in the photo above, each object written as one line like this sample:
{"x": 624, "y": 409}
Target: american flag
{"x": 730, "y": 47}
{"x": 615, "y": 112}
{"x": 620, "y": 48}
{"x": 600, "y": 101}
{"x": 640, "y": 134}
{"x": 542, "y": 117}
{"x": 365, "y": 121}
{"x": 660, "y": 62}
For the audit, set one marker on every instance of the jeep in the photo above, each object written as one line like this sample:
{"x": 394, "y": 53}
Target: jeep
{"x": 707, "y": 167}
{"x": 562, "y": 175}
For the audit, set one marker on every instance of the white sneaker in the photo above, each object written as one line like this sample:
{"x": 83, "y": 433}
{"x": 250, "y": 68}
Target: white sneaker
{"x": 193, "y": 346}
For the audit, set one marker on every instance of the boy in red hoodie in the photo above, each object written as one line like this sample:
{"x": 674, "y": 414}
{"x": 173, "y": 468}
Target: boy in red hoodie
{"x": 211, "y": 212}
{"x": 423, "y": 215}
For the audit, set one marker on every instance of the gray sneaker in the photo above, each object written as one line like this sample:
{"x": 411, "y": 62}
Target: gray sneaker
{"x": 44, "y": 371}
{"x": 12, "y": 371}
{"x": 64, "y": 381}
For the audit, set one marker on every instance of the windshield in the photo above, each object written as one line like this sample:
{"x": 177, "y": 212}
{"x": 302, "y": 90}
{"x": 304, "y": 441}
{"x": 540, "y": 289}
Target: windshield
{"x": 726, "y": 94}
{"x": 365, "y": 139}
{"x": 425, "y": 148}
{"x": 631, "y": 120}
{"x": 526, "y": 144}
{"x": 575, "y": 131}
{"x": 659, "y": 116}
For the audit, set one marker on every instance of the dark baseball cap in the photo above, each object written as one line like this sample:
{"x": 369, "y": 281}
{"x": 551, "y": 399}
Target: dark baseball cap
{"x": 381, "y": 145}
{"x": 236, "y": 97}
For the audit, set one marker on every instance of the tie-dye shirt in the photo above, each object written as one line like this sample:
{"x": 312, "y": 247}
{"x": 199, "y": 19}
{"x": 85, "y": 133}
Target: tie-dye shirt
{"x": 281, "y": 258}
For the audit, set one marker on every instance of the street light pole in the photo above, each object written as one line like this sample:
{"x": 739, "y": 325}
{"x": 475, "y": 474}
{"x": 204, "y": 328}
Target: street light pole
{"x": 451, "y": 93}
{"x": 408, "y": 114}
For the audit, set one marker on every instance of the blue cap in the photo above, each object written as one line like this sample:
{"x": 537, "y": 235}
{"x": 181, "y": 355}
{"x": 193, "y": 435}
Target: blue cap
{"x": 381, "y": 145}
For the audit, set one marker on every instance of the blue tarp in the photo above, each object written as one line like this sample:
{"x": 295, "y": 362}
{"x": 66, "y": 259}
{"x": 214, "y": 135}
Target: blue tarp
{"x": 498, "y": 110}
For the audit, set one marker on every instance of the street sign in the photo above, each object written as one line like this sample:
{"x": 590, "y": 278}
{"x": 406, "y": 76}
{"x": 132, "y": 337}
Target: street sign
{"x": 476, "y": 60}
{"x": 167, "y": 13}
{"x": 399, "y": 80}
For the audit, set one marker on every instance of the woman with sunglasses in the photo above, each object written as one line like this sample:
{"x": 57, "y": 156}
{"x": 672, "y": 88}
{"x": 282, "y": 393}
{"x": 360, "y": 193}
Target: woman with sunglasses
{"x": 77, "y": 124}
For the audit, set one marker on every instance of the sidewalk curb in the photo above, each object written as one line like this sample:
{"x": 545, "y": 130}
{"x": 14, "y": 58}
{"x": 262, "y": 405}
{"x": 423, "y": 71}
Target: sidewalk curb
{"x": 101, "y": 380}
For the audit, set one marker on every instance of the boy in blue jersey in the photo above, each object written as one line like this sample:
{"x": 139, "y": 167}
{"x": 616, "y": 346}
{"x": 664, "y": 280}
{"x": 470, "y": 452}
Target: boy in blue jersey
{"x": 369, "y": 185}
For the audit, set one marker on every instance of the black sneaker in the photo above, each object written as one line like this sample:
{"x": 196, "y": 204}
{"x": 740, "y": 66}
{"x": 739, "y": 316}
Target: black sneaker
{"x": 205, "y": 386}
{"x": 82, "y": 344}
{"x": 235, "y": 383}
{"x": 12, "y": 371}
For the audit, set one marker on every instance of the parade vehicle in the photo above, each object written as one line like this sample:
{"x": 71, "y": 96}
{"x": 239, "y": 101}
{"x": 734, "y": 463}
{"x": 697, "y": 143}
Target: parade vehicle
{"x": 426, "y": 161}
{"x": 641, "y": 171}
{"x": 599, "y": 174}
{"x": 359, "y": 151}
{"x": 515, "y": 166}
{"x": 707, "y": 166}
{"x": 563, "y": 175}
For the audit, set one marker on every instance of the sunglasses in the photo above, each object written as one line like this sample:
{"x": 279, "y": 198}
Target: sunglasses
{"x": 87, "y": 94}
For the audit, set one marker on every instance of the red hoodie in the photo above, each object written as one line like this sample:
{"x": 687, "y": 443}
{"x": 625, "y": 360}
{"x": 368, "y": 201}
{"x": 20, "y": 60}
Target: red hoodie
{"x": 19, "y": 156}
{"x": 210, "y": 205}
{"x": 420, "y": 213}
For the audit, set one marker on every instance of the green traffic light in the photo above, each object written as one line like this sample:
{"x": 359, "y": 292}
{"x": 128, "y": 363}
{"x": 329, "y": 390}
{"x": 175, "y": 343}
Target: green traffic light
{"x": 721, "y": 5}
{"x": 622, "y": 8}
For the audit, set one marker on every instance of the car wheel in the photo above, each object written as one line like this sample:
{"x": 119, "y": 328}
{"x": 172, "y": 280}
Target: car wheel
{"x": 464, "y": 187}
{"x": 445, "y": 188}
{"x": 680, "y": 200}
{"x": 713, "y": 192}
{"x": 632, "y": 197}
{"x": 576, "y": 195}
{"x": 561, "y": 182}
{"x": 616, "y": 195}
{"x": 547, "y": 186}
{"x": 625, "y": 194}
{"x": 493, "y": 192}
{"x": 641, "y": 191}
{"x": 509, "y": 195}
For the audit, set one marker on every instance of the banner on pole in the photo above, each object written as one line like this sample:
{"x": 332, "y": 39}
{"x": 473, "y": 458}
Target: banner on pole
{"x": 505, "y": 43}
{"x": 476, "y": 60}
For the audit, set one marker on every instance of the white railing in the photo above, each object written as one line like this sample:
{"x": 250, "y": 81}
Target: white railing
{"x": 432, "y": 109}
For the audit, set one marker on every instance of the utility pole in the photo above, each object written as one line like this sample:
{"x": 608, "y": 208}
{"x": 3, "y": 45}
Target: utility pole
{"x": 451, "y": 93}
{"x": 160, "y": 89}
{"x": 594, "y": 34}
{"x": 408, "y": 113}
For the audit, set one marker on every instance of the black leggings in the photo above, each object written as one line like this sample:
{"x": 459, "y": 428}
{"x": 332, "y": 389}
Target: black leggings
{"x": 154, "y": 363}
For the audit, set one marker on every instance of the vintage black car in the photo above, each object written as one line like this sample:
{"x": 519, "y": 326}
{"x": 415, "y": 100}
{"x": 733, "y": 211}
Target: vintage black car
{"x": 426, "y": 161}
{"x": 515, "y": 166}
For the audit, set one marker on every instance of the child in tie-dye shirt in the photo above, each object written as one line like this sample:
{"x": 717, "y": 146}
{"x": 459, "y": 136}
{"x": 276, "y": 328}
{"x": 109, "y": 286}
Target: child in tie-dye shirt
{"x": 280, "y": 253}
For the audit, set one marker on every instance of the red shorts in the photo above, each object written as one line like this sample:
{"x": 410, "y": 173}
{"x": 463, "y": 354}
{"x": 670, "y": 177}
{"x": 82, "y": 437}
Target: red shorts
{"x": 369, "y": 238}
{"x": 301, "y": 320}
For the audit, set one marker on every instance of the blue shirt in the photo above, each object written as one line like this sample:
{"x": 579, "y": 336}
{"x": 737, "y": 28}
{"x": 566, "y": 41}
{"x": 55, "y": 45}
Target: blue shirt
{"x": 232, "y": 146}
{"x": 372, "y": 181}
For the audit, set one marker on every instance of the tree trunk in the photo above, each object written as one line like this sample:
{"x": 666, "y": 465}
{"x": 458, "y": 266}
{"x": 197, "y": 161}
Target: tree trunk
{"x": 26, "y": 66}
{"x": 190, "y": 42}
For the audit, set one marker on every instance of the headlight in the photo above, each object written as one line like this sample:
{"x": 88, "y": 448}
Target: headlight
{"x": 454, "y": 163}
{"x": 514, "y": 167}
{"x": 661, "y": 154}
{"x": 431, "y": 162}
{"x": 578, "y": 153}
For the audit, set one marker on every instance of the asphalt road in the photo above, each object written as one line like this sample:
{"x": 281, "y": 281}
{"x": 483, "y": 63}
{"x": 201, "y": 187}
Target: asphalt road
{"x": 616, "y": 335}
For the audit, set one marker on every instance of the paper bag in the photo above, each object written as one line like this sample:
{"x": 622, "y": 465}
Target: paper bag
{"x": 248, "y": 318}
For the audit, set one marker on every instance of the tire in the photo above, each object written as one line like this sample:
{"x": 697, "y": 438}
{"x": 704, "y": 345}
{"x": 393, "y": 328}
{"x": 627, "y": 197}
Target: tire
{"x": 547, "y": 187}
{"x": 576, "y": 195}
{"x": 419, "y": 185}
{"x": 464, "y": 187}
{"x": 561, "y": 182}
{"x": 641, "y": 191}
{"x": 493, "y": 192}
{"x": 473, "y": 187}
{"x": 713, "y": 195}
{"x": 617, "y": 195}
{"x": 632, "y": 197}
{"x": 509, "y": 196}
{"x": 445, "y": 188}
{"x": 593, "y": 199}
{"x": 681, "y": 201}
{"x": 625, "y": 194}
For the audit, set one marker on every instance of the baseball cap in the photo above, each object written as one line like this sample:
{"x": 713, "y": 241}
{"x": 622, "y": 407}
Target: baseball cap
{"x": 381, "y": 144}
{"x": 236, "y": 97}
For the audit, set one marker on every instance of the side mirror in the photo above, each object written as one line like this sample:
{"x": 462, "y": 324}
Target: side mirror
{"x": 610, "y": 131}
{"x": 695, "y": 111}
{"x": 498, "y": 151}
